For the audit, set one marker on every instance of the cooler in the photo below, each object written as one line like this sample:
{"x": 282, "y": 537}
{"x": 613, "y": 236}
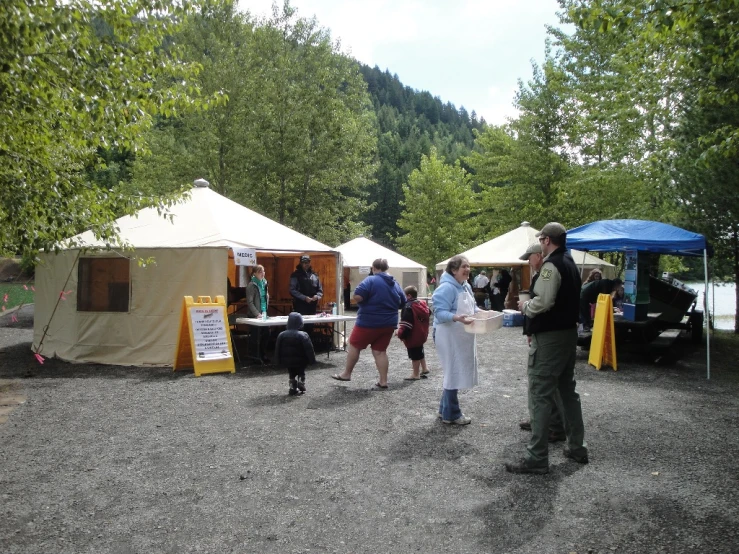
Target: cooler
{"x": 512, "y": 318}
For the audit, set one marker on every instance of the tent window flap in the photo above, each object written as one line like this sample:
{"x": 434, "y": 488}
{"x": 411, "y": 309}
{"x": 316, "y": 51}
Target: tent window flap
{"x": 411, "y": 278}
{"x": 103, "y": 284}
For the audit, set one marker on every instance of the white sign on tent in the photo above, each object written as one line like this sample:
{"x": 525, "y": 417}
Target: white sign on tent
{"x": 245, "y": 256}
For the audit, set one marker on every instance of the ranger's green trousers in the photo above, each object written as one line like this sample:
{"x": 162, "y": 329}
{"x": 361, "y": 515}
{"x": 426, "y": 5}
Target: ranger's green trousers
{"x": 551, "y": 368}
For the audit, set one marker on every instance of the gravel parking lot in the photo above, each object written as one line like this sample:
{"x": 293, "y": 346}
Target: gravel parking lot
{"x": 104, "y": 459}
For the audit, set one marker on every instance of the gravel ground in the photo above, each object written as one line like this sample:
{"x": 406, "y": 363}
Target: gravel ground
{"x": 139, "y": 460}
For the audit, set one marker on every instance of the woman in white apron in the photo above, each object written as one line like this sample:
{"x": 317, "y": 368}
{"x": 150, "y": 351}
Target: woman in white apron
{"x": 454, "y": 304}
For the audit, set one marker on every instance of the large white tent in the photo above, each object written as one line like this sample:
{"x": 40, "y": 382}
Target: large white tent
{"x": 121, "y": 305}
{"x": 505, "y": 251}
{"x": 359, "y": 253}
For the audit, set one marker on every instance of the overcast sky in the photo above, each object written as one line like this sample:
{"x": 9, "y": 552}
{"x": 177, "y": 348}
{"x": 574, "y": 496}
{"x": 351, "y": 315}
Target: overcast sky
{"x": 467, "y": 52}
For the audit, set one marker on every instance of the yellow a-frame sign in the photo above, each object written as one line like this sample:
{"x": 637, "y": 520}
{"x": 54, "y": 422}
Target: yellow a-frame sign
{"x": 603, "y": 341}
{"x": 204, "y": 337}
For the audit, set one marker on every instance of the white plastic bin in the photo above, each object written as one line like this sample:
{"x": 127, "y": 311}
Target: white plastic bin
{"x": 485, "y": 322}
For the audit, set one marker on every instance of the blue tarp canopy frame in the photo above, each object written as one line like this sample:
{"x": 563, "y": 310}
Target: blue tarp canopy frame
{"x": 619, "y": 235}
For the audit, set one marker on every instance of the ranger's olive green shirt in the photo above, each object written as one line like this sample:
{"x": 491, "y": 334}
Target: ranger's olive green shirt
{"x": 545, "y": 288}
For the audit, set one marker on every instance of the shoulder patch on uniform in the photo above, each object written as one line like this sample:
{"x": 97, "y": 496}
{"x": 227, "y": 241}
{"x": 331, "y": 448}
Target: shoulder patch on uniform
{"x": 546, "y": 274}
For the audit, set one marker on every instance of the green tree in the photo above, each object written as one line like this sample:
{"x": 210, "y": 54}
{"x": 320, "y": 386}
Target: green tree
{"x": 208, "y": 143}
{"x": 584, "y": 146}
{"x": 595, "y": 193}
{"x": 622, "y": 119}
{"x": 310, "y": 135}
{"x": 697, "y": 42}
{"x": 518, "y": 167}
{"x": 705, "y": 183}
{"x": 296, "y": 141}
{"x": 437, "y": 212}
{"x": 76, "y": 79}
{"x": 608, "y": 111}
{"x": 409, "y": 124}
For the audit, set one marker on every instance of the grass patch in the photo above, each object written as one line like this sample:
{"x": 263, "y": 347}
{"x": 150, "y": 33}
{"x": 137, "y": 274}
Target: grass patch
{"x": 15, "y": 294}
{"x": 726, "y": 339}
{"x": 724, "y": 353}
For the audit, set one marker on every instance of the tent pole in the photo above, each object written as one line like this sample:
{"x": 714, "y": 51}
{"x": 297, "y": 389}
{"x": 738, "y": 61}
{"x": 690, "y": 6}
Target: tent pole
{"x": 582, "y": 267}
{"x": 706, "y": 315}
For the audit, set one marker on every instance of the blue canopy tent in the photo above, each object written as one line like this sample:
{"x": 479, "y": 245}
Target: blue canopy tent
{"x": 620, "y": 235}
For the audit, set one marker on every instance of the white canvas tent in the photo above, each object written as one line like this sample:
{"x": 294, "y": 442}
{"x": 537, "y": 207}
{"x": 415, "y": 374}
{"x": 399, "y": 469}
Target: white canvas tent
{"x": 134, "y": 320}
{"x": 359, "y": 253}
{"x": 505, "y": 250}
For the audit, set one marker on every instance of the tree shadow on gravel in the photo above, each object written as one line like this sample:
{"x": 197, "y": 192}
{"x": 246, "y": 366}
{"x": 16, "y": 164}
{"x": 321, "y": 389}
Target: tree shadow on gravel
{"x": 338, "y": 397}
{"x": 335, "y": 398}
{"x": 256, "y": 369}
{"x": 523, "y": 504}
{"x": 18, "y": 361}
{"x": 675, "y": 526}
{"x": 268, "y": 400}
{"x": 439, "y": 442}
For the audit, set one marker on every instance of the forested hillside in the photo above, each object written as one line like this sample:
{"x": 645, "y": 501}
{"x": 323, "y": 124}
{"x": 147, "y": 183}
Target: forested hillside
{"x": 409, "y": 123}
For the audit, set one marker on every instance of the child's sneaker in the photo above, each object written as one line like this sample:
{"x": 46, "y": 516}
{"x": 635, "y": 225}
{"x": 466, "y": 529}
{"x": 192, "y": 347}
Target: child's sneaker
{"x": 293, "y": 391}
{"x": 301, "y": 384}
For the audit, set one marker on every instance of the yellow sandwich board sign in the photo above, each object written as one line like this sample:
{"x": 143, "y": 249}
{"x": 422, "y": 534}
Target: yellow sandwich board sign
{"x": 204, "y": 338}
{"x": 603, "y": 341}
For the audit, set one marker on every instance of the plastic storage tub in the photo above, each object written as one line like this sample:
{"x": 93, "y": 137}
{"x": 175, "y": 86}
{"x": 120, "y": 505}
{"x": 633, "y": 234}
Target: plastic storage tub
{"x": 485, "y": 322}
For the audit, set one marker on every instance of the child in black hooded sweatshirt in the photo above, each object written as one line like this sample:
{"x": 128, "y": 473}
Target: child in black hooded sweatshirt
{"x": 294, "y": 350}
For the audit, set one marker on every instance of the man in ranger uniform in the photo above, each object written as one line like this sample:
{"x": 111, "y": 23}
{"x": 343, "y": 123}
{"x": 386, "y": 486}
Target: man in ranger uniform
{"x": 534, "y": 256}
{"x": 553, "y": 314}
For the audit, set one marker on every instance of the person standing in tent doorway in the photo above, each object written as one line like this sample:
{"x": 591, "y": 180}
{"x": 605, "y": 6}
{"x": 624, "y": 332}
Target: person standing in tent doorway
{"x": 481, "y": 287}
{"x": 503, "y": 282}
{"x": 305, "y": 288}
{"x": 257, "y": 302}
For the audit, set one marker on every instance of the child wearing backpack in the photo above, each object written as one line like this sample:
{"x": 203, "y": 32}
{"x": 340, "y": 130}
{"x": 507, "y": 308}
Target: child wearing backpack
{"x": 414, "y": 331}
{"x": 294, "y": 350}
